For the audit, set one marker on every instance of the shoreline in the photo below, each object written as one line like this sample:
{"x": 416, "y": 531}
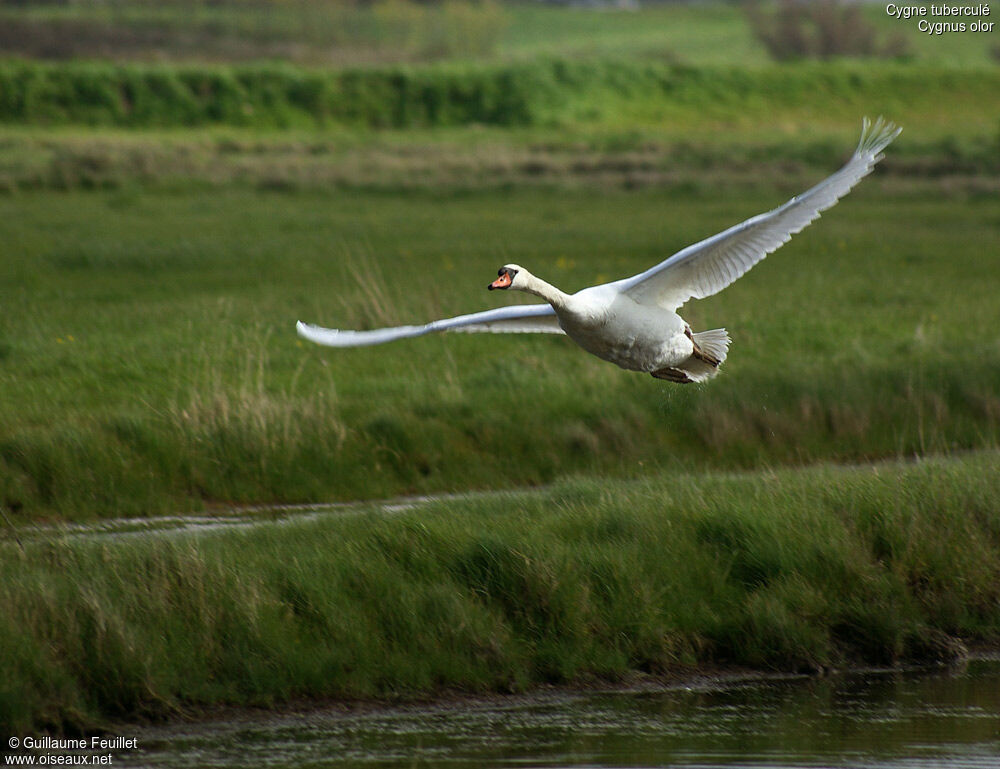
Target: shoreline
{"x": 706, "y": 678}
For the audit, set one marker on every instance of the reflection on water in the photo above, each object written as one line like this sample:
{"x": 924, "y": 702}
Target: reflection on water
{"x": 945, "y": 718}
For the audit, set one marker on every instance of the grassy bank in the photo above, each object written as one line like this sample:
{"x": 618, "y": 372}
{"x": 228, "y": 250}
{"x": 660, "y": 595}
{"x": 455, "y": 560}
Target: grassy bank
{"x": 540, "y": 92}
{"x": 149, "y": 363}
{"x": 786, "y": 569}
{"x": 951, "y": 163}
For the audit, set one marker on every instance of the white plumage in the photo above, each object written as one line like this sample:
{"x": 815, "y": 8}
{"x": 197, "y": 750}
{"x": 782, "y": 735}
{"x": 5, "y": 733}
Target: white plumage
{"x": 633, "y": 322}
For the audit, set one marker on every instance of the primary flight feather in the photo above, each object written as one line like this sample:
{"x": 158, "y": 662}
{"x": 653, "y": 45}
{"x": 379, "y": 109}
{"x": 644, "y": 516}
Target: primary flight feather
{"x": 633, "y": 322}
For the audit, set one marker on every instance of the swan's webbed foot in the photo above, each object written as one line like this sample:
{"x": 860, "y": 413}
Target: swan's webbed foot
{"x": 699, "y": 353}
{"x": 672, "y": 374}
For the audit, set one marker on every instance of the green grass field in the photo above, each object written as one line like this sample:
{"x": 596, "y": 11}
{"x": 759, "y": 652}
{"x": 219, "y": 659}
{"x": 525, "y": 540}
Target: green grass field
{"x": 150, "y": 362}
{"x": 592, "y": 579}
{"x": 165, "y": 219}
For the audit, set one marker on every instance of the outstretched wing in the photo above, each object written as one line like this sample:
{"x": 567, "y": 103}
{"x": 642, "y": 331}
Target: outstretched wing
{"x": 515, "y": 319}
{"x": 707, "y": 267}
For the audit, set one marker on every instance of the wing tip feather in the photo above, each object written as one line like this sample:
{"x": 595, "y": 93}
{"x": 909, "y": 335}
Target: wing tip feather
{"x": 309, "y": 330}
{"x": 875, "y": 137}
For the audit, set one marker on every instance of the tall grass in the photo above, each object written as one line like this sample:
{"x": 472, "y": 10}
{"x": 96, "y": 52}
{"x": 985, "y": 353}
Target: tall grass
{"x": 233, "y": 443}
{"x": 787, "y": 570}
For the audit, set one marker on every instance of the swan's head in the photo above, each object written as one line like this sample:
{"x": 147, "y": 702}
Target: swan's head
{"x": 507, "y": 277}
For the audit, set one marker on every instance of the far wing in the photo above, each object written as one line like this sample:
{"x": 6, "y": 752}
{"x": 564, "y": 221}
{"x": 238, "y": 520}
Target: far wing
{"x": 516, "y": 319}
{"x": 707, "y": 267}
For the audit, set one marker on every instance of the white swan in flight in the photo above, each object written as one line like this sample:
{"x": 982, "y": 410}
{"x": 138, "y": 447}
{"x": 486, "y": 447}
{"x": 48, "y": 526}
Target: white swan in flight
{"x": 633, "y": 322}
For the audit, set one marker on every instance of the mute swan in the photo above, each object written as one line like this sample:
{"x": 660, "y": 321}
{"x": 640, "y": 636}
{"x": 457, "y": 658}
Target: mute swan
{"x": 633, "y": 322}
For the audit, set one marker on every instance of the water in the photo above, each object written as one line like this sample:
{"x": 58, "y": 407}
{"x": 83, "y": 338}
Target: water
{"x": 942, "y": 719}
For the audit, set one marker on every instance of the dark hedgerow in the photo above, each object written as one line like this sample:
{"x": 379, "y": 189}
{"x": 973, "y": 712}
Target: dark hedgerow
{"x": 542, "y": 92}
{"x": 263, "y": 96}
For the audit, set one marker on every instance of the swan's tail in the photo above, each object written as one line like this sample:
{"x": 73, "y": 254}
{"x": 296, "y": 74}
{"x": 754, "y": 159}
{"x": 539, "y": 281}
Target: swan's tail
{"x": 711, "y": 348}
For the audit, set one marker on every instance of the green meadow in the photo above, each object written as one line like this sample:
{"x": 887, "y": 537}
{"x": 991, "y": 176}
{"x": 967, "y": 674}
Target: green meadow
{"x": 166, "y": 216}
{"x": 150, "y": 362}
{"x": 589, "y": 580}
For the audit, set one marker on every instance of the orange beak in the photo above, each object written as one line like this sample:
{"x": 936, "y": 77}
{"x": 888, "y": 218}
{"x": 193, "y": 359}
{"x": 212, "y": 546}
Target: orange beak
{"x": 502, "y": 282}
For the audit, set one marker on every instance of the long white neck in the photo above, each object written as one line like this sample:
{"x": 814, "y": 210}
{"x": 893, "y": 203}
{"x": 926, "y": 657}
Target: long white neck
{"x": 528, "y": 282}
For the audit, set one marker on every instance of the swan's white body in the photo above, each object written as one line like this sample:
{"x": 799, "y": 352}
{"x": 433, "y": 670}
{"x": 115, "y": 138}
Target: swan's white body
{"x": 633, "y": 322}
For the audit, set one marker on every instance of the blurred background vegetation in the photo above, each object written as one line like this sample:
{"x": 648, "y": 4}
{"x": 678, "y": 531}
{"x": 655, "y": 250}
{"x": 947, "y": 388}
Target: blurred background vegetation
{"x": 352, "y": 32}
{"x": 181, "y": 180}
{"x": 360, "y": 141}
{"x": 320, "y": 31}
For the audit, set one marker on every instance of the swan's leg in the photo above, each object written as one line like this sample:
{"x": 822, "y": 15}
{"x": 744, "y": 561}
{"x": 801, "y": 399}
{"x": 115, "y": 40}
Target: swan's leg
{"x": 700, "y": 354}
{"x": 672, "y": 374}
